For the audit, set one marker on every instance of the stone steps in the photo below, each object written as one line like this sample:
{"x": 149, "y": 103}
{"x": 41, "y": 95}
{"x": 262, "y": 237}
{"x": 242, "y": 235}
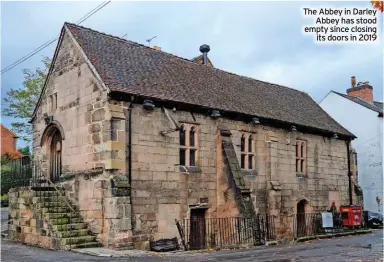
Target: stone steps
{"x": 65, "y": 221}
{"x": 62, "y": 215}
{"x": 76, "y": 240}
{"x": 68, "y": 227}
{"x": 72, "y": 233}
{"x": 58, "y": 209}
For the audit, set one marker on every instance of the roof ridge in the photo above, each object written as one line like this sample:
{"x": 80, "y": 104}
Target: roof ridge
{"x": 182, "y": 58}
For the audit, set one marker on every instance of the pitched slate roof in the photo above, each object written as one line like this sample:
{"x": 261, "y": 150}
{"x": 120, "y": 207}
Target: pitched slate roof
{"x": 375, "y": 106}
{"x": 132, "y": 68}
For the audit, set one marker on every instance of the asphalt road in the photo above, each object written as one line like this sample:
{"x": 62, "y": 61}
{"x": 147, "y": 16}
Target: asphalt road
{"x": 351, "y": 248}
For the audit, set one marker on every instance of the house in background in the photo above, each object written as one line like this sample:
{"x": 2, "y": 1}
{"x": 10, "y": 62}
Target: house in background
{"x": 8, "y": 141}
{"x": 189, "y": 140}
{"x": 363, "y": 116}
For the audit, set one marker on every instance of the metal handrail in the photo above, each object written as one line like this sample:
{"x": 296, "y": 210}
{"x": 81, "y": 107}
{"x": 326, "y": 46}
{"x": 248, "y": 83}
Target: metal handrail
{"x": 58, "y": 191}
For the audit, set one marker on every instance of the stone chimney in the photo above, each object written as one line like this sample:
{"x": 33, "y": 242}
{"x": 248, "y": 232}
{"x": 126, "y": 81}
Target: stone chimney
{"x": 157, "y": 47}
{"x": 363, "y": 90}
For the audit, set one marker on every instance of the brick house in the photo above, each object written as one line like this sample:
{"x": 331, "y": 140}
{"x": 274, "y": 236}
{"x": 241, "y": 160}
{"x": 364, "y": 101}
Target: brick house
{"x": 189, "y": 139}
{"x": 8, "y": 141}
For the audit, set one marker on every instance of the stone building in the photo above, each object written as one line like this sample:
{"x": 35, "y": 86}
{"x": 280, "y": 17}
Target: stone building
{"x": 139, "y": 137}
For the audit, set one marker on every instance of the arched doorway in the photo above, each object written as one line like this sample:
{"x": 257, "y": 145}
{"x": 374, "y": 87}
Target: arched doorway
{"x": 52, "y": 144}
{"x": 301, "y": 218}
{"x": 55, "y": 156}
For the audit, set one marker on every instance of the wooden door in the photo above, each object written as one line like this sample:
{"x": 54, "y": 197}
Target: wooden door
{"x": 197, "y": 239}
{"x": 55, "y": 157}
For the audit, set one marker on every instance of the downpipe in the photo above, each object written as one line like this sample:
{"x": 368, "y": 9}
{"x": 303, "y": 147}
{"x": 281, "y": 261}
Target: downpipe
{"x": 349, "y": 172}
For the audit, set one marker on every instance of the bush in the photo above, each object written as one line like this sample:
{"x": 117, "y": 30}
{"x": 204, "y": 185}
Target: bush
{"x": 4, "y": 201}
{"x": 6, "y": 178}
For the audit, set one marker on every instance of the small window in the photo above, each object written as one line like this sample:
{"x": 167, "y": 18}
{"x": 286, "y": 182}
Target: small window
{"x": 188, "y": 145}
{"x": 54, "y": 101}
{"x": 192, "y": 137}
{"x": 182, "y": 156}
{"x": 301, "y": 155}
{"x": 247, "y": 152}
{"x": 182, "y": 136}
{"x": 192, "y": 157}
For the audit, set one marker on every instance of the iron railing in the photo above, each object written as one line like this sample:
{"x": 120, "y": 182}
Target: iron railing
{"x": 21, "y": 171}
{"x": 310, "y": 224}
{"x": 203, "y": 233}
{"x": 53, "y": 206}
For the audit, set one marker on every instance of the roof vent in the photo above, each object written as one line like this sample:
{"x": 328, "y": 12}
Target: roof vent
{"x": 204, "y": 49}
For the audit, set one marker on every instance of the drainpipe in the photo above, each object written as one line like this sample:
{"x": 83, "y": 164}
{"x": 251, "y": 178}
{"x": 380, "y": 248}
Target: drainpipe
{"x": 130, "y": 142}
{"x": 349, "y": 173}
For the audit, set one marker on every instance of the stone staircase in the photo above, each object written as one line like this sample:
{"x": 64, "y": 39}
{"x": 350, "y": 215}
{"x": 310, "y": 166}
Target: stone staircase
{"x": 59, "y": 219}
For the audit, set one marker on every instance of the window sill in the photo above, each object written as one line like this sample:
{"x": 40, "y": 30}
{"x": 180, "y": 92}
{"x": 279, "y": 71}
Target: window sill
{"x": 249, "y": 172}
{"x": 190, "y": 169}
{"x": 301, "y": 175}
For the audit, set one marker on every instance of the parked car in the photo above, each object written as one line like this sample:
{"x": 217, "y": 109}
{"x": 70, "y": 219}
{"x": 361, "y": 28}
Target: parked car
{"x": 375, "y": 219}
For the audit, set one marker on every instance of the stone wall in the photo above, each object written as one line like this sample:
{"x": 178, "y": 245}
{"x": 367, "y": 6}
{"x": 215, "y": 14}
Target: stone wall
{"x": 160, "y": 186}
{"x": 94, "y": 144}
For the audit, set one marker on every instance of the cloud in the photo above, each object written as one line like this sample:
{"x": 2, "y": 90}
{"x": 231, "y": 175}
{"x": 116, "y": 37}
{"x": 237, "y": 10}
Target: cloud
{"x": 262, "y": 40}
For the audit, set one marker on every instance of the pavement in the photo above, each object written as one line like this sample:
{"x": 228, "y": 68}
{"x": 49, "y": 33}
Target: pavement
{"x": 367, "y": 248}
{"x": 4, "y": 219}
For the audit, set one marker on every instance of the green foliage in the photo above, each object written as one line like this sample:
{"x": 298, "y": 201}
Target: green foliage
{"x": 25, "y": 151}
{"x": 4, "y": 200}
{"x": 6, "y": 178}
{"x": 20, "y": 103}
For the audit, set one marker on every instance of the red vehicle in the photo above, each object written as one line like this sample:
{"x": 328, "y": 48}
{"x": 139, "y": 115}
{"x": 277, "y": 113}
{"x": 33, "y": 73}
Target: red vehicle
{"x": 351, "y": 216}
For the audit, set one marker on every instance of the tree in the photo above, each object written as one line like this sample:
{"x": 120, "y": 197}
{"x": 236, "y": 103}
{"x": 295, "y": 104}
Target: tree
{"x": 21, "y": 102}
{"x": 378, "y": 5}
{"x": 25, "y": 151}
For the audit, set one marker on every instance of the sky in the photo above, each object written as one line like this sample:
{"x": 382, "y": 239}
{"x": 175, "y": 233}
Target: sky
{"x": 262, "y": 40}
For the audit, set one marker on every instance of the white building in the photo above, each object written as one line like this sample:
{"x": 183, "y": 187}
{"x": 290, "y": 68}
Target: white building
{"x": 361, "y": 115}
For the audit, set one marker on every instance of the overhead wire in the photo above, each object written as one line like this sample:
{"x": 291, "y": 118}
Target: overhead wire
{"x": 48, "y": 43}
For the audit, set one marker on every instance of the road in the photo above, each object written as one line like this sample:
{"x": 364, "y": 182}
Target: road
{"x": 351, "y": 248}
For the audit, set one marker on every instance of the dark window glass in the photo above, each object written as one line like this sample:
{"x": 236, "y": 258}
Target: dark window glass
{"x": 242, "y": 144}
{"x": 250, "y": 144}
{"x": 242, "y": 161}
{"x": 182, "y": 157}
{"x": 302, "y": 150}
{"x": 302, "y": 165}
{"x": 182, "y": 136}
{"x": 297, "y": 165}
{"x": 192, "y": 157}
{"x": 250, "y": 162}
{"x": 297, "y": 149}
{"x": 192, "y": 137}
